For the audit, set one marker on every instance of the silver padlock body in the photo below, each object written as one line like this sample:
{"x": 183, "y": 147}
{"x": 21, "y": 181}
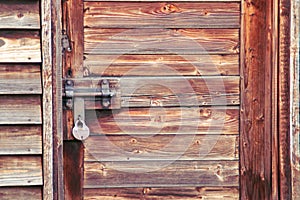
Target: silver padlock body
{"x": 81, "y": 133}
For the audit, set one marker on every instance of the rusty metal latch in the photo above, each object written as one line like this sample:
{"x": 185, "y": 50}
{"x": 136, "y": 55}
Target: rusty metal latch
{"x": 103, "y": 91}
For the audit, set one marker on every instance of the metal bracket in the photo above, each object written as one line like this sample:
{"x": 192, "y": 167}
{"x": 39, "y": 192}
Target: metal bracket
{"x": 103, "y": 91}
{"x": 65, "y": 42}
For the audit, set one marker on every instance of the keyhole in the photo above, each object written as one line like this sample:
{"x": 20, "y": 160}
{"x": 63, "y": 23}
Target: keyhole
{"x": 80, "y": 124}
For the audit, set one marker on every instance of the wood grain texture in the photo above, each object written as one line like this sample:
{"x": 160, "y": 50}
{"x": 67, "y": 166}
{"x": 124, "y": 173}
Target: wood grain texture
{"x": 284, "y": 115}
{"x": 256, "y": 101}
{"x": 20, "y": 79}
{"x": 161, "y": 41}
{"x": 161, "y": 147}
{"x": 161, "y": 15}
{"x": 167, "y": 0}
{"x": 21, "y": 193}
{"x": 20, "y": 46}
{"x": 73, "y": 170}
{"x": 47, "y": 98}
{"x": 20, "y": 171}
{"x": 20, "y": 140}
{"x": 25, "y": 109}
{"x": 176, "y": 193}
{"x": 15, "y": 14}
{"x": 294, "y": 89}
{"x": 160, "y": 174}
{"x": 164, "y": 120}
{"x": 161, "y": 65}
{"x": 167, "y": 91}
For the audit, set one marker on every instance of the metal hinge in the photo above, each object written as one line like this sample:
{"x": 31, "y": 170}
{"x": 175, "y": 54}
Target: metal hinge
{"x": 65, "y": 42}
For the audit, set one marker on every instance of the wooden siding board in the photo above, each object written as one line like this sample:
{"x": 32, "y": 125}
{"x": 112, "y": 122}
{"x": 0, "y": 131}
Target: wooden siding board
{"x": 285, "y": 170}
{"x": 295, "y": 98}
{"x": 256, "y": 100}
{"x": 20, "y": 171}
{"x": 21, "y": 193}
{"x": 162, "y": 65}
{"x": 15, "y": 140}
{"x": 137, "y": 121}
{"x": 161, "y": 147}
{"x": 20, "y": 109}
{"x": 160, "y": 174}
{"x": 20, "y": 79}
{"x": 20, "y": 46}
{"x": 161, "y": 15}
{"x": 16, "y": 14}
{"x": 161, "y": 41}
{"x": 182, "y": 193}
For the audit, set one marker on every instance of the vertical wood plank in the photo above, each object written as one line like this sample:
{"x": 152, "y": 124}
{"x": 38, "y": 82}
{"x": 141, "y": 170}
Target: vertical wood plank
{"x": 295, "y": 99}
{"x": 73, "y": 170}
{"x": 255, "y": 143}
{"x": 274, "y": 29}
{"x": 58, "y": 185}
{"x": 47, "y": 100}
{"x": 73, "y": 60}
{"x": 284, "y": 100}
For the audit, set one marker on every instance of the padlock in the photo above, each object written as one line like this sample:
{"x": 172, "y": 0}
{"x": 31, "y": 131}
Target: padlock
{"x": 80, "y": 130}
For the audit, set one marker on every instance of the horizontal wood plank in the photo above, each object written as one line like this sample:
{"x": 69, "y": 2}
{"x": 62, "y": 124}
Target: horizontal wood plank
{"x": 161, "y": 15}
{"x": 161, "y": 41}
{"x": 20, "y": 140}
{"x": 16, "y": 14}
{"x": 137, "y": 121}
{"x": 164, "y": 1}
{"x": 162, "y": 65}
{"x": 166, "y": 91}
{"x": 20, "y": 171}
{"x": 176, "y": 193}
{"x": 20, "y": 79}
{"x": 161, "y": 174}
{"x": 161, "y": 147}
{"x": 21, "y": 193}
{"x": 20, "y": 109}
{"x": 20, "y": 46}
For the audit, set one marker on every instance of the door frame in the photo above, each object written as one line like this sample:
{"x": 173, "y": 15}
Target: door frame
{"x": 265, "y": 110}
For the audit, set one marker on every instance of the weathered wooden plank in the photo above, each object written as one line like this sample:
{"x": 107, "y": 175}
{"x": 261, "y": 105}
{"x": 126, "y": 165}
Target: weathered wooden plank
{"x": 284, "y": 116}
{"x": 167, "y": 91}
{"x": 161, "y": 147}
{"x": 25, "y": 109}
{"x": 161, "y": 174}
{"x": 295, "y": 96}
{"x": 161, "y": 65}
{"x": 161, "y": 15}
{"x": 73, "y": 170}
{"x": 176, "y": 193}
{"x": 161, "y": 41}
{"x": 20, "y": 170}
{"x": 20, "y": 79}
{"x": 166, "y": 0}
{"x": 256, "y": 101}
{"x": 20, "y": 140}
{"x": 47, "y": 97}
{"x": 137, "y": 121}
{"x": 21, "y": 193}
{"x": 20, "y": 46}
{"x": 15, "y": 14}
{"x": 179, "y": 91}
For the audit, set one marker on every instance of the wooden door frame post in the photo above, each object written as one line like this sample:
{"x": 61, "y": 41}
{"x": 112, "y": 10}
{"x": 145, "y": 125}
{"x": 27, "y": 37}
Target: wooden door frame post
{"x": 265, "y": 103}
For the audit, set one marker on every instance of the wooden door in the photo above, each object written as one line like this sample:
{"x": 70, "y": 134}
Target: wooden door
{"x": 175, "y": 123}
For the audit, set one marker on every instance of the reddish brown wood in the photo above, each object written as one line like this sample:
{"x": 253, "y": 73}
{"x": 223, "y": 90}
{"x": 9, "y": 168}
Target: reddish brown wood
{"x": 73, "y": 60}
{"x": 161, "y": 15}
{"x": 285, "y": 190}
{"x": 256, "y": 101}
{"x": 73, "y": 170}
